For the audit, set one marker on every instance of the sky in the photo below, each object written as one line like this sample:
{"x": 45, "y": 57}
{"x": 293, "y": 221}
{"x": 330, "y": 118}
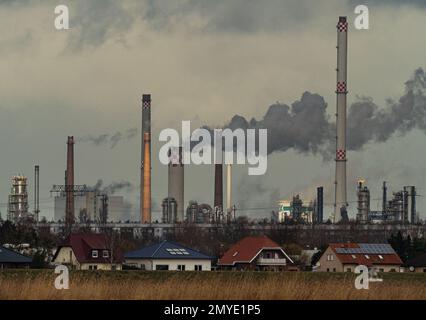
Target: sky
{"x": 203, "y": 61}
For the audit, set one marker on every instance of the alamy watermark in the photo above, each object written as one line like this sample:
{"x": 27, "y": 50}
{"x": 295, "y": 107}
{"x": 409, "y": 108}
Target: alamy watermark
{"x": 365, "y": 277}
{"x": 197, "y": 147}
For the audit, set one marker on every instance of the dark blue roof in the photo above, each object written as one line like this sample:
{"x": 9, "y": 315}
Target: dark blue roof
{"x": 166, "y": 250}
{"x": 9, "y": 256}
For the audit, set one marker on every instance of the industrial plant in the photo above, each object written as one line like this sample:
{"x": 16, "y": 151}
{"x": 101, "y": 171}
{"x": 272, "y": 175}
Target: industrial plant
{"x": 76, "y": 204}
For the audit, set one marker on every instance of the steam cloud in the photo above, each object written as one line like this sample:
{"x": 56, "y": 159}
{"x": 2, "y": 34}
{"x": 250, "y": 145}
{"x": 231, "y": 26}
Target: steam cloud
{"x": 111, "y": 139}
{"x": 305, "y": 126}
{"x": 112, "y": 187}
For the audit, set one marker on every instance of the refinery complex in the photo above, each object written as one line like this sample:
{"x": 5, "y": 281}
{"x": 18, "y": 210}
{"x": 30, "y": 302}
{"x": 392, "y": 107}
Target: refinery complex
{"x": 79, "y": 204}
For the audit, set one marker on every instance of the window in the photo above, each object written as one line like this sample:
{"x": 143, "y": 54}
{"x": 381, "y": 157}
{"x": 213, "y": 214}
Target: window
{"x": 181, "y": 267}
{"x": 392, "y": 270}
{"x": 380, "y": 257}
{"x": 94, "y": 253}
{"x": 353, "y": 256}
{"x": 105, "y": 254}
{"x": 198, "y": 267}
{"x": 367, "y": 256}
{"x": 235, "y": 253}
{"x": 143, "y": 267}
{"x": 348, "y": 270}
{"x": 330, "y": 257}
{"x": 381, "y": 270}
{"x": 328, "y": 270}
{"x": 162, "y": 267}
{"x": 93, "y": 267}
{"x": 334, "y": 269}
{"x": 424, "y": 270}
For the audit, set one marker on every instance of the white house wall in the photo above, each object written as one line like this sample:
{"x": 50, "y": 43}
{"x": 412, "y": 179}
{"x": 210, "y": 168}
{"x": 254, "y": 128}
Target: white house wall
{"x": 172, "y": 263}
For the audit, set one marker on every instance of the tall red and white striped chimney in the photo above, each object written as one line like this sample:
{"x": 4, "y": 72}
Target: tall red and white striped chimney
{"x": 340, "y": 202}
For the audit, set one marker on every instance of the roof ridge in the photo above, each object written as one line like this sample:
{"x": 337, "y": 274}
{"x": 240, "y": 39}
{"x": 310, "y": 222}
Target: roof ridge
{"x": 159, "y": 246}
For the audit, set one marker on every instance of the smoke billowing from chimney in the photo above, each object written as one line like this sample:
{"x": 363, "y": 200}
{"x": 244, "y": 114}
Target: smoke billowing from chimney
{"x": 109, "y": 139}
{"x": 113, "y": 187}
{"x": 305, "y": 125}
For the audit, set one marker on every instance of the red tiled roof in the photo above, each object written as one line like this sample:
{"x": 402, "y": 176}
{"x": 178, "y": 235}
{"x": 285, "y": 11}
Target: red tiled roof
{"x": 83, "y": 244}
{"x": 360, "y": 257}
{"x": 247, "y": 249}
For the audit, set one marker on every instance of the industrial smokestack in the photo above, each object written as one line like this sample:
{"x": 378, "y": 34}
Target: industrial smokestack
{"x": 384, "y": 198}
{"x": 36, "y": 192}
{"x": 340, "y": 202}
{"x": 69, "y": 186}
{"x": 145, "y": 167}
{"x": 176, "y": 180}
{"x": 218, "y": 186}
{"x": 413, "y": 205}
{"x": 229, "y": 189}
{"x": 146, "y": 209}
{"x": 320, "y": 204}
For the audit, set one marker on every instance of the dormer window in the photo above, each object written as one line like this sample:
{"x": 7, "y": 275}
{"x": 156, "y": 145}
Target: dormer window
{"x": 95, "y": 253}
{"x": 105, "y": 254}
{"x": 367, "y": 256}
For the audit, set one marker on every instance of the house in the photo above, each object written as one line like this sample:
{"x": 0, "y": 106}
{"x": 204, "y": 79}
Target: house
{"x": 417, "y": 264}
{"x": 88, "y": 252}
{"x": 344, "y": 257}
{"x": 168, "y": 255}
{"x": 256, "y": 253}
{"x": 13, "y": 259}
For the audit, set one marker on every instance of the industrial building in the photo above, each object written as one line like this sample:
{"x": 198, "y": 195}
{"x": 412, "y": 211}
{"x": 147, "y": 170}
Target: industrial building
{"x": 294, "y": 211}
{"x": 17, "y": 208}
{"x": 176, "y": 184}
{"x": 88, "y": 207}
{"x": 401, "y": 208}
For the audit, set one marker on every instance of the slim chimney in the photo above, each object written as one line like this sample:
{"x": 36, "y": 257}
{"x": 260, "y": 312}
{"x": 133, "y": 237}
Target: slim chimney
{"x": 320, "y": 204}
{"x": 69, "y": 187}
{"x": 176, "y": 181}
{"x": 146, "y": 210}
{"x": 229, "y": 189}
{"x": 413, "y": 205}
{"x": 384, "y": 199}
{"x": 36, "y": 193}
{"x": 218, "y": 186}
{"x": 145, "y": 167}
{"x": 340, "y": 202}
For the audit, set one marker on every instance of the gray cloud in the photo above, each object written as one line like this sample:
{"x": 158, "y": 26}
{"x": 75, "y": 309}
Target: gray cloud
{"x": 420, "y": 3}
{"x": 95, "y": 21}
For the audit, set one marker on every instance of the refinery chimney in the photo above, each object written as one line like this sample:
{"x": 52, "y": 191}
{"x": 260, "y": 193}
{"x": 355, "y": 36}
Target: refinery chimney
{"x": 69, "y": 186}
{"x": 218, "y": 187}
{"x": 36, "y": 193}
{"x": 229, "y": 189}
{"x": 145, "y": 183}
{"x": 340, "y": 202}
{"x": 176, "y": 180}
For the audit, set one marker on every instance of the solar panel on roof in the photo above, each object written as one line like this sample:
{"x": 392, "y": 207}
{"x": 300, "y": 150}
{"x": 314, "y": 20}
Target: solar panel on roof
{"x": 367, "y": 248}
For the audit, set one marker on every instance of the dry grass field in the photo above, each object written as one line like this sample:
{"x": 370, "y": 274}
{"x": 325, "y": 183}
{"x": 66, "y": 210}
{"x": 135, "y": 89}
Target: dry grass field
{"x": 129, "y": 285}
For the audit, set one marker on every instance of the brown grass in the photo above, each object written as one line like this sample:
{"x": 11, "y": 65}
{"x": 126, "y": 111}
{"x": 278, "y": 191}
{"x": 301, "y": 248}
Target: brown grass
{"x": 129, "y": 285}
